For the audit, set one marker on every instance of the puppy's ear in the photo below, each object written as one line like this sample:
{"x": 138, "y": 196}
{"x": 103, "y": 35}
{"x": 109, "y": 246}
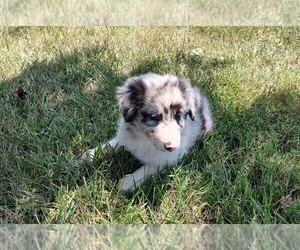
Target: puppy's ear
{"x": 190, "y": 97}
{"x": 131, "y": 97}
{"x": 191, "y": 115}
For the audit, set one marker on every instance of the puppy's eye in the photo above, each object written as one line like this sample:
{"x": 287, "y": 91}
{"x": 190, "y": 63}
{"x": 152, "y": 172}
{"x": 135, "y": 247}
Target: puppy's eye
{"x": 152, "y": 120}
{"x": 178, "y": 116}
{"x": 154, "y": 117}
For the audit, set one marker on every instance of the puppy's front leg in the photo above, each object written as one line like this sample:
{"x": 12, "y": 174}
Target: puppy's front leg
{"x": 131, "y": 181}
{"x": 90, "y": 153}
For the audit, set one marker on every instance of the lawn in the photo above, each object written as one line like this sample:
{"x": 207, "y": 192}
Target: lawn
{"x": 247, "y": 170}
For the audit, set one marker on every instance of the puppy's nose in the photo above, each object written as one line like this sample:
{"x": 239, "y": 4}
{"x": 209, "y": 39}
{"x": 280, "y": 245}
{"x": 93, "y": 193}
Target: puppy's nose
{"x": 169, "y": 146}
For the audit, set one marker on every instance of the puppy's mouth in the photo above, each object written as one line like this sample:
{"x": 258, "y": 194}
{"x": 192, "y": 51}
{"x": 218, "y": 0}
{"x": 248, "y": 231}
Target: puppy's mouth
{"x": 167, "y": 150}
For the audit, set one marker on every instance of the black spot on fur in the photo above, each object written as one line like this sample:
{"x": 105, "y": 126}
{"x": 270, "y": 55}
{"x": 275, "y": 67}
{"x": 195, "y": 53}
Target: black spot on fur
{"x": 183, "y": 86}
{"x": 203, "y": 120}
{"x": 174, "y": 107}
{"x": 191, "y": 115}
{"x": 166, "y": 84}
{"x": 128, "y": 114}
{"x": 131, "y": 99}
{"x": 166, "y": 111}
{"x": 137, "y": 92}
{"x": 186, "y": 89}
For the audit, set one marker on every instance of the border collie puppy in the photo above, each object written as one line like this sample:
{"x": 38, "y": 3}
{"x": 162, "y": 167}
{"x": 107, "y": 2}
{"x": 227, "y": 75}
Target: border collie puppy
{"x": 162, "y": 117}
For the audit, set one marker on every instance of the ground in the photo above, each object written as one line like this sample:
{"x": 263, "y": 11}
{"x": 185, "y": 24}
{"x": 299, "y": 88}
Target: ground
{"x": 247, "y": 170}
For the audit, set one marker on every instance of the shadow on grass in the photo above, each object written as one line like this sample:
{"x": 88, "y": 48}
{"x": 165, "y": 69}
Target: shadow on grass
{"x": 70, "y": 106}
{"x": 261, "y": 154}
{"x": 69, "y": 100}
{"x": 267, "y": 157}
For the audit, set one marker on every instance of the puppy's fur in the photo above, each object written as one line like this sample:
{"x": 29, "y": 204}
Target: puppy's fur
{"x": 162, "y": 117}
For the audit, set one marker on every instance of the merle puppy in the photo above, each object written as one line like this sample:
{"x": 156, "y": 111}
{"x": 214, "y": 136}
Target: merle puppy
{"x": 162, "y": 117}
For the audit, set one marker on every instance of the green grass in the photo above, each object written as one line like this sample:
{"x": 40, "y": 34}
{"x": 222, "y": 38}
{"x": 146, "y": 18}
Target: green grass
{"x": 245, "y": 171}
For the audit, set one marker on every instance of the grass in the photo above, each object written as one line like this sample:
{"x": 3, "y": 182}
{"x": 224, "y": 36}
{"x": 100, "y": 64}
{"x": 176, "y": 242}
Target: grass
{"x": 245, "y": 171}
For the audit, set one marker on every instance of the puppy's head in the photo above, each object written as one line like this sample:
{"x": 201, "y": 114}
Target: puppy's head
{"x": 158, "y": 107}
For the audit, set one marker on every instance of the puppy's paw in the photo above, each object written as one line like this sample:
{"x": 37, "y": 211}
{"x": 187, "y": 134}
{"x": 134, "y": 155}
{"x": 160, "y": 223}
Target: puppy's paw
{"x": 127, "y": 183}
{"x": 88, "y": 155}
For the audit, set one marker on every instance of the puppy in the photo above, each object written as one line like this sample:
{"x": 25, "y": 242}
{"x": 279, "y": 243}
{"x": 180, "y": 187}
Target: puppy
{"x": 162, "y": 117}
